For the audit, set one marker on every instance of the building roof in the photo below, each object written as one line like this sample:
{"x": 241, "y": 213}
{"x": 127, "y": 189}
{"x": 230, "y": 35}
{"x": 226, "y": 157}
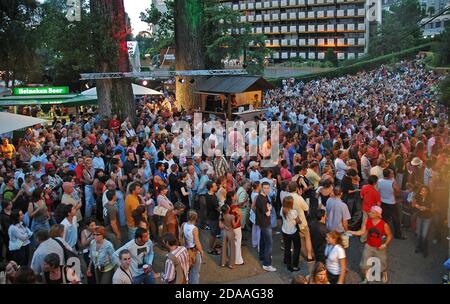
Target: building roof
{"x": 233, "y": 84}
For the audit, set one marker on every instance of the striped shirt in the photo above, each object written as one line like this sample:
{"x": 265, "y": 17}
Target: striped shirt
{"x": 169, "y": 274}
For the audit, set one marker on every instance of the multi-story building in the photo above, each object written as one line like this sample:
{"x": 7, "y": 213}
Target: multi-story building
{"x": 308, "y": 28}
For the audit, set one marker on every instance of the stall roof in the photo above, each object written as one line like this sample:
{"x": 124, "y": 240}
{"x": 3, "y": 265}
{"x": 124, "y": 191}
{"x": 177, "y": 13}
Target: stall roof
{"x": 233, "y": 84}
{"x": 137, "y": 90}
{"x": 11, "y": 122}
{"x": 65, "y": 100}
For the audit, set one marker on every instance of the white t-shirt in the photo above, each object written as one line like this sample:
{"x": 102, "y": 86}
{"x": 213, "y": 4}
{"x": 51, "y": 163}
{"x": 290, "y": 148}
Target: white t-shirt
{"x": 289, "y": 224}
{"x": 334, "y": 253}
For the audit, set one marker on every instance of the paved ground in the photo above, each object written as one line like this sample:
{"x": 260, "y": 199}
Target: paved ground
{"x": 405, "y": 267}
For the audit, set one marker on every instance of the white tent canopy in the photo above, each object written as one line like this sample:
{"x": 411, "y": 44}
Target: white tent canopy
{"x": 10, "y": 122}
{"x": 137, "y": 91}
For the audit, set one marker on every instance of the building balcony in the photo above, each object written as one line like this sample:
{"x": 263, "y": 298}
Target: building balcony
{"x": 275, "y": 3}
{"x": 321, "y": 55}
{"x": 330, "y": 27}
{"x": 330, "y": 13}
{"x": 294, "y": 15}
{"x": 301, "y": 15}
{"x": 311, "y": 55}
{"x": 244, "y": 18}
{"x": 283, "y": 3}
{"x": 293, "y": 29}
{"x": 330, "y": 1}
{"x": 276, "y": 55}
{"x": 292, "y": 2}
{"x": 311, "y": 41}
{"x": 275, "y": 17}
{"x": 320, "y": 14}
{"x": 320, "y": 2}
{"x": 311, "y": 28}
{"x": 321, "y": 28}
{"x": 293, "y": 55}
{"x": 284, "y": 42}
{"x": 258, "y": 5}
{"x": 302, "y": 55}
{"x": 311, "y": 2}
{"x": 267, "y": 4}
{"x": 284, "y": 29}
{"x": 250, "y": 6}
{"x": 258, "y": 18}
{"x": 284, "y": 16}
{"x": 259, "y": 30}
{"x": 235, "y": 7}
{"x": 293, "y": 42}
{"x": 302, "y": 29}
{"x": 267, "y": 30}
{"x": 361, "y": 41}
{"x": 311, "y": 15}
{"x": 350, "y": 55}
{"x": 361, "y": 12}
{"x": 320, "y": 41}
{"x": 276, "y": 29}
{"x": 340, "y": 42}
{"x": 301, "y": 42}
{"x": 361, "y": 27}
{"x": 340, "y": 13}
{"x": 301, "y": 2}
{"x": 243, "y": 6}
{"x": 350, "y": 27}
{"x": 340, "y": 56}
{"x": 350, "y": 12}
{"x": 340, "y": 27}
{"x": 330, "y": 42}
{"x": 351, "y": 41}
{"x": 251, "y": 18}
{"x": 284, "y": 55}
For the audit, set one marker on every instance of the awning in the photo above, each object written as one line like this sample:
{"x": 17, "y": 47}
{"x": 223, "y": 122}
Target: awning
{"x": 137, "y": 91}
{"x": 10, "y": 122}
{"x": 35, "y": 100}
{"x": 233, "y": 84}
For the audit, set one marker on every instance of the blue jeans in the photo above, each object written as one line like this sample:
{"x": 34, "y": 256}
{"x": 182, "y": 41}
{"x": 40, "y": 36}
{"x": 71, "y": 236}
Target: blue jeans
{"x": 265, "y": 246}
{"x": 194, "y": 272}
{"x": 90, "y": 201}
{"x": 146, "y": 278}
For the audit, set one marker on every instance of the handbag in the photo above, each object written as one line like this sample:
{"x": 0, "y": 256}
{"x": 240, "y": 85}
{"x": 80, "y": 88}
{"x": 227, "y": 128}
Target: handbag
{"x": 160, "y": 211}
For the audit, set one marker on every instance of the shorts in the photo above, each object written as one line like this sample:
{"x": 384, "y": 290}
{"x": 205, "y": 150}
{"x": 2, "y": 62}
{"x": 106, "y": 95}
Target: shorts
{"x": 371, "y": 255}
{"x": 214, "y": 225}
{"x": 304, "y": 231}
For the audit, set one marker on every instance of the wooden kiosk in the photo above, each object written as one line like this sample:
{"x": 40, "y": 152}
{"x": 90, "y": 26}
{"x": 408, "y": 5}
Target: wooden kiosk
{"x": 233, "y": 95}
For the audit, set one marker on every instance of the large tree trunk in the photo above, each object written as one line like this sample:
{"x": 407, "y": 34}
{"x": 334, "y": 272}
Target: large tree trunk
{"x": 188, "y": 49}
{"x": 115, "y": 96}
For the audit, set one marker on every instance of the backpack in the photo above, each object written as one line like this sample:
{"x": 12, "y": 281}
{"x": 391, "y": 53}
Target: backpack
{"x": 180, "y": 278}
{"x": 71, "y": 259}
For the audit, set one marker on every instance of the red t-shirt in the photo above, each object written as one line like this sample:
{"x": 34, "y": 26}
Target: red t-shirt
{"x": 370, "y": 196}
{"x": 375, "y": 233}
{"x": 114, "y": 124}
{"x": 79, "y": 172}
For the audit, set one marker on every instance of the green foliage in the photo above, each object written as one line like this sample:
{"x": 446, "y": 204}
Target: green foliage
{"x": 18, "y": 40}
{"x": 399, "y": 29}
{"x": 164, "y": 23}
{"x": 65, "y": 48}
{"x": 444, "y": 89}
{"x": 224, "y": 35}
{"x": 330, "y": 56}
{"x": 442, "y": 48}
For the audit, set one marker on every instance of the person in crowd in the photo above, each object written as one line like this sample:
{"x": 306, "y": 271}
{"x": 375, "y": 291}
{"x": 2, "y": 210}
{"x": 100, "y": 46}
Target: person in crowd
{"x": 213, "y": 214}
{"x": 370, "y": 197}
{"x": 376, "y": 231}
{"x": 336, "y": 260}
{"x": 19, "y": 239}
{"x": 388, "y": 189}
{"x": 422, "y": 201}
{"x": 70, "y": 225}
{"x": 318, "y": 230}
{"x": 54, "y": 273}
{"x": 176, "y": 269}
{"x": 227, "y": 223}
{"x": 263, "y": 211}
{"x": 141, "y": 250}
{"x": 189, "y": 236}
{"x": 131, "y": 203}
{"x": 291, "y": 235}
{"x": 38, "y": 211}
{"x": 101, "y": 254}
{"x": 123, "y": 273}
{"x": 337, "y": 212}
{"x": 319, "y": 274}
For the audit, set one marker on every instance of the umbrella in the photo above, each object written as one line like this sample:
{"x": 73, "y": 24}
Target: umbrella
{"x": 137, "y": 90}
{"x": 10, "y": 122}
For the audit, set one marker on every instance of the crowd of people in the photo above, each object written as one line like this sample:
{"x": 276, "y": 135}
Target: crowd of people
{"x": 86, "y": 200}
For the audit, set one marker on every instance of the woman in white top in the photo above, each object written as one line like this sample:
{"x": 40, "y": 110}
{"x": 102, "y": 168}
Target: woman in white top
{"x": 189, "y": 236}
{"x": 19, "y": 239}
{"x": 291, "y": 220}
{"x": 336, "y": 260}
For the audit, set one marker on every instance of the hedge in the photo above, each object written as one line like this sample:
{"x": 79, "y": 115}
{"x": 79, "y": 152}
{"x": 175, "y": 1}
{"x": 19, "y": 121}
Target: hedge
{"x": 360, "y": 66}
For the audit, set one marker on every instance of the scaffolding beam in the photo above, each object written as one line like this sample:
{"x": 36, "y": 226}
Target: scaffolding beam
{"x": 161, "y": 74}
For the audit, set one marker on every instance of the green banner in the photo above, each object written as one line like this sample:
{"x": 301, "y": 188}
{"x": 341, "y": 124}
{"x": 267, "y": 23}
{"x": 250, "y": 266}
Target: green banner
{"x": 41, "y": 91}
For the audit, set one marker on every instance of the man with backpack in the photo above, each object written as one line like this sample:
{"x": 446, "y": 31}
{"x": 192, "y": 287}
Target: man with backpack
{"x": 176, "y": 269}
